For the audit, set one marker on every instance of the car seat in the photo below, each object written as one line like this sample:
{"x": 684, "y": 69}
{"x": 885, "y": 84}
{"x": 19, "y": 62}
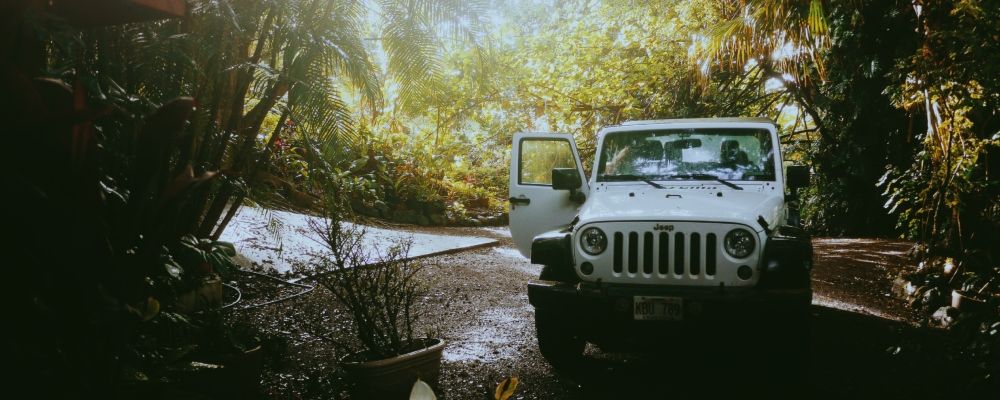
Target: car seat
{"x": 731, "y": 155}
{"x": 651, "y": 150}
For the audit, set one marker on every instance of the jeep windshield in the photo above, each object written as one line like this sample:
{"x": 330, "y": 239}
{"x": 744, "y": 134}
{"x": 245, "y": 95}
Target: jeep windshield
{"x": 723, "y": 154}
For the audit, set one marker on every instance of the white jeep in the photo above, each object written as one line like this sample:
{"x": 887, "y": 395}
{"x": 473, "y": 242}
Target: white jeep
{"x": 681, "y": 222}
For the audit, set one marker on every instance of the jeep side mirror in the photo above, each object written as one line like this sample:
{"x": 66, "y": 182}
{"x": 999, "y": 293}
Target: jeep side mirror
{"x": 797, "y": 176}
{"x": 565, "y": 179}
{"x": 568, "y": 179}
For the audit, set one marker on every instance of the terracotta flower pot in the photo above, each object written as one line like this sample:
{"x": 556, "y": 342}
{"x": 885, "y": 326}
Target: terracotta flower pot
{"x": 205, "y": 297}
{"x": 966, "y": 301}
{"x": 392, "y": 378}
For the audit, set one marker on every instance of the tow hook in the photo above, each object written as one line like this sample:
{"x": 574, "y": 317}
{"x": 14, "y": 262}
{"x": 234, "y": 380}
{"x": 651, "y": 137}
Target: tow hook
{"x": 763, "y": 224}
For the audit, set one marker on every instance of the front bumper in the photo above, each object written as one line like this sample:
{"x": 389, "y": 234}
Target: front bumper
{"x": 614, "y": 303}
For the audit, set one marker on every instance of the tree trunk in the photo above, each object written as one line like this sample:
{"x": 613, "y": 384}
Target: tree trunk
{"x": 233, "y": 208}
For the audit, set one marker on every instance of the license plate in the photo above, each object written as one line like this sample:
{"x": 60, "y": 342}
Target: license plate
{"x": 656, "y": 308}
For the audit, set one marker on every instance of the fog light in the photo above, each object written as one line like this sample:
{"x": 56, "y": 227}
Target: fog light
{"x": 744, "y": 272}
{"x": 587, "y": 268}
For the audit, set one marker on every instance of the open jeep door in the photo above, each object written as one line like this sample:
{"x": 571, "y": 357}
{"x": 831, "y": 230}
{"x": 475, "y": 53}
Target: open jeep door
{"x": 535, "y": 207}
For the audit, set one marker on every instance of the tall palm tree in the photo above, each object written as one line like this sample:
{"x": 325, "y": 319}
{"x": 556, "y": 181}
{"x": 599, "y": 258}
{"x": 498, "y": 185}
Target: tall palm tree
{"x": 782, "y": 39}
{"x": 785, "y": 33}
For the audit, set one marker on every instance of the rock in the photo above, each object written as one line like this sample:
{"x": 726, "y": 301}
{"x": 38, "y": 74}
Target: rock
{"x": 916, "y": 296}
{"x": 932, "y": 298}
{"x": 899, "y": 287}
{"x": 486, "y": 219}
{"x": 498, "y": 219}
{"x": 940, "y": 314}
{"x": 945, "y": 316}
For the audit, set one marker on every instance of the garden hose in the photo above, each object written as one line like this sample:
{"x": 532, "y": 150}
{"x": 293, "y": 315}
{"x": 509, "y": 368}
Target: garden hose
{"x": 306, "y": 290}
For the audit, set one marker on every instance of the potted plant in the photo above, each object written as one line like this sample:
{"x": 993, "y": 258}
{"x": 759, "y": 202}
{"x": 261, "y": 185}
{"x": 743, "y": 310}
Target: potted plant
{"x": 378, "y": 289}
{"x": 968, "y": 298}
{"x": 209, "y": 262}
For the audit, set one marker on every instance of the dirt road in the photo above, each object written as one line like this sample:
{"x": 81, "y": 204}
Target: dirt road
{"x": 863, "y": 342}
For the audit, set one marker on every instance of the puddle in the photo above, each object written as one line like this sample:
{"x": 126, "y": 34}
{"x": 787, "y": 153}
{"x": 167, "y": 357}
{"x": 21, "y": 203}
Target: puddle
{"x": 840, "y": 241}
{"x": 494, "y": 337}
{"x": 824, "y": 301}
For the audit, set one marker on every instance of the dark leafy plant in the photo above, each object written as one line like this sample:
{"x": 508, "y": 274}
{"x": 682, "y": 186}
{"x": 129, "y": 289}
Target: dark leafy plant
{"x": 102, "y": 301}
{"x": 208, "y": 256}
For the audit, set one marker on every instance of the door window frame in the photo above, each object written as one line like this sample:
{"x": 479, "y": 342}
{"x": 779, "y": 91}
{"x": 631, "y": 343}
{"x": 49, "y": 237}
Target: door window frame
{"x": 520, "y": 158}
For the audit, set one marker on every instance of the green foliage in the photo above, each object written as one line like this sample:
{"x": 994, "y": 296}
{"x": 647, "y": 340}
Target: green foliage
{"x": 101, "y": 252}
{"x": 572, "y": 67}
{"x": 849, "y": 131}
{"x": 919, "y": 67}
{"x": 945, "y": 196}
{"x": 599, "y": 64}
{"x": 413, "y": 173}
{"x": 210, "y": 257}
{"x": 264, "y": 72}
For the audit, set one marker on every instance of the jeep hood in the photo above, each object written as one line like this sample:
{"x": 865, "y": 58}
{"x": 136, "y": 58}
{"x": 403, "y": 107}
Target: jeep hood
{"x": 685, "y": 204}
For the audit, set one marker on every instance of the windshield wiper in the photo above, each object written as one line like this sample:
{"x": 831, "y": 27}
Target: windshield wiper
{"x": 620, "y": 178}
{"x": 708, "y": 177}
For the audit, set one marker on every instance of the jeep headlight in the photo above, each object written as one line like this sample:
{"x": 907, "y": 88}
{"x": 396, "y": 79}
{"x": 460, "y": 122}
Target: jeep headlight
{"x": 739, "y": 243}
{"x": 593, "y": 241}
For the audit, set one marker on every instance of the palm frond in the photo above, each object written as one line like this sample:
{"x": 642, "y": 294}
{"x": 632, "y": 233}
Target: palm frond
{"x": 795, "y": 29}
{"x": 410, "y": 37}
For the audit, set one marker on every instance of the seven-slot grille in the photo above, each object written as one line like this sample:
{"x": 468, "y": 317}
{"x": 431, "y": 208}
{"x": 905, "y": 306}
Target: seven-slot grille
{"x": 664, "y": 253}
{"x": 686, "y": 253}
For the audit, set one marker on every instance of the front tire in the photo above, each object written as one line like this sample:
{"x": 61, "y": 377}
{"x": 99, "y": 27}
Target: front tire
{"x": 788, "y": 341}
{"x": 557, "y": 340}
{"x": 790, "y": 360}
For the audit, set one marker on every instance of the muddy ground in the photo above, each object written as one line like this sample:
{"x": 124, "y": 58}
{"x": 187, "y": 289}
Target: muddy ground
{"x": 864, "y": 342}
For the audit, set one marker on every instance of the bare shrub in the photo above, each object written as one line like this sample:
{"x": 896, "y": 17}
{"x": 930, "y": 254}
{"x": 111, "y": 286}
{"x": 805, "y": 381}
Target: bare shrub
{"x": 376, "y": 286}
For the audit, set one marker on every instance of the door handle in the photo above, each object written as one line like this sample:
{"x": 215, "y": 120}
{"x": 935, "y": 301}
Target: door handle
{"x": 519, "y": 200}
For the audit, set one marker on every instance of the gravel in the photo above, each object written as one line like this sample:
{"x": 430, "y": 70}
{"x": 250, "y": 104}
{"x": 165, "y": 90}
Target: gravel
{"x": 864, "y": 342}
